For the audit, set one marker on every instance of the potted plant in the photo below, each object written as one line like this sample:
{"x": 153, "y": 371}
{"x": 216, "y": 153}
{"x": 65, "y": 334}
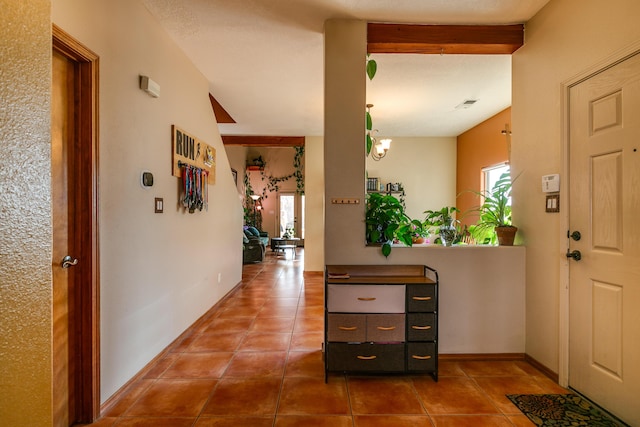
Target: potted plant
{"x": 446, "y": 223}
{"x": 495, "y": 211}
{"x": 419, "y": 232}
{"x": 387, "y": 222}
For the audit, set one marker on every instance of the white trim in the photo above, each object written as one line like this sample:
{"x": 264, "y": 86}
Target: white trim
{"x": 563, "y": 315}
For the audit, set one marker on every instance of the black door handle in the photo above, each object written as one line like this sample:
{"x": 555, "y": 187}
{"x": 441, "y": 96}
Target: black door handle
{"x": 576, "y": 255}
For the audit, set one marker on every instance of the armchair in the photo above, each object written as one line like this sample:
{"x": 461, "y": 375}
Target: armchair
{"x": 262, "y": 235}
{"x": 253, "y": 249}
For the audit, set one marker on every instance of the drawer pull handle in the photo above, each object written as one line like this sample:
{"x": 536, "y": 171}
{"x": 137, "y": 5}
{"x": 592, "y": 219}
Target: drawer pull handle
{"x": 386, "y": 328}
{"x": 422, "y": 298}
{"x": 347, "y": 328}
{"x": 366, "y": 299}
{"x": 415, "y": 356}
{"x": 420, "y": 328}
{"x": 366, "y": 357}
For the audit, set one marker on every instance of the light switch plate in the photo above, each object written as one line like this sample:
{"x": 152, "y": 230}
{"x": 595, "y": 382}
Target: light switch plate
{"x": 553, "y": 203}
{"x": 159, "y": 205}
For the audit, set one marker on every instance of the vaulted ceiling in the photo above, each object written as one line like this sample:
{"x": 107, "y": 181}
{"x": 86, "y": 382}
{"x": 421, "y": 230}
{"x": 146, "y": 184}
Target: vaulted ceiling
{"x": 264, "y": 62}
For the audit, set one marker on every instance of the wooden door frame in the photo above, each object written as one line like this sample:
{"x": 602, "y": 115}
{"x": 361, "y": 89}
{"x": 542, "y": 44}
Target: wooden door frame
{"x": 84, "y": 215}
{"x": 564, "y": 301}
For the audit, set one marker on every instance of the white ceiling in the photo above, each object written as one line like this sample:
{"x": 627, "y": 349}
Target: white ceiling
{"x": 264, "y": 62}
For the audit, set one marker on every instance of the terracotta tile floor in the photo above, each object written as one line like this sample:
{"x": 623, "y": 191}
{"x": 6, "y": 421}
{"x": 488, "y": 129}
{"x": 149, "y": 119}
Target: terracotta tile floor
{"x": 255, "y": 360}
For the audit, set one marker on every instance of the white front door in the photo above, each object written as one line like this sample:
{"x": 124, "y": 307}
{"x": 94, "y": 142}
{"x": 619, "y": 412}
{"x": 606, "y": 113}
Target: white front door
{"x": 604, "y": 198}
{"x": 291, "y": 214}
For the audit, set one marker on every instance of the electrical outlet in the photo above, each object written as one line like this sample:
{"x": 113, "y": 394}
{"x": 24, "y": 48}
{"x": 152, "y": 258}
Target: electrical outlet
{"x": 219, "y": 277}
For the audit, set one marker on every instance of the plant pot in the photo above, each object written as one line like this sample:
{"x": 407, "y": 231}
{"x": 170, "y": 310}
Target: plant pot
{"x": 506, "y": 235}
{"x": 418, "y": 240}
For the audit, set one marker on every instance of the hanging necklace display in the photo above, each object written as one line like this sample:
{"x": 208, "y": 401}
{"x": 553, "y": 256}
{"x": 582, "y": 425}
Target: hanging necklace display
{"x": 194, "y": 162}
{"x": 194, "y": 188}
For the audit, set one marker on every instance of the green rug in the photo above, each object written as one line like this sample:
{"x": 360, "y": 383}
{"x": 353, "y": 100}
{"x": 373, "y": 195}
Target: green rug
{"x": 561, "y": 410}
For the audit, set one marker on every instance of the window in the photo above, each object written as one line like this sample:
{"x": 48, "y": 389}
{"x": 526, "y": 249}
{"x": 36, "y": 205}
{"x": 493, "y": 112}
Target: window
{"x": 491, "y": 175}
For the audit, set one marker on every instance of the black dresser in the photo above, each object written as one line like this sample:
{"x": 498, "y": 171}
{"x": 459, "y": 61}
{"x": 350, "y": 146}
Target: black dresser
{"x": 381, "y": 319}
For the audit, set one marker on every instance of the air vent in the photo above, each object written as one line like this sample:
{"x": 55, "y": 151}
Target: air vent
{"x": 467, "y": 103}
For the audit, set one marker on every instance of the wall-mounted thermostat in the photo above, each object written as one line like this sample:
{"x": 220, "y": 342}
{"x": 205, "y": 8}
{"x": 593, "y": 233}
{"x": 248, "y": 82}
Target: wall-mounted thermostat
{"x": 146, "y": 179}
{"x": 551, "y": 183}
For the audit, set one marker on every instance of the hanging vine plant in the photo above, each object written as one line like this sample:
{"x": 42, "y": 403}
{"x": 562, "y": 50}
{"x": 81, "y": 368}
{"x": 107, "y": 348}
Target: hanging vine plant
{"x": 372, "y": 68}
{"x": 297, "y": 164}
{"x": 252, "y": 216}
{"x": 273, "y": 182}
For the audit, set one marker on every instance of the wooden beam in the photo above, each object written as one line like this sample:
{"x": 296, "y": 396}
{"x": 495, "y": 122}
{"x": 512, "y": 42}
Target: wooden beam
{"x": 263, "y": 141}
{"x": 444, "y": 39}
{"x": 219, "y": 112}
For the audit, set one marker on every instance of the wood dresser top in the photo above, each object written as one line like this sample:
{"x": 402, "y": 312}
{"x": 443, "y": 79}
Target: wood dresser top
{"x": 376, "y": 274}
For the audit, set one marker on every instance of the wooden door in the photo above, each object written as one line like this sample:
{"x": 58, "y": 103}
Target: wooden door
{"x": 75, "y": 304}
{"x": 61, "y": 123}
{"x": 604, "y": 286}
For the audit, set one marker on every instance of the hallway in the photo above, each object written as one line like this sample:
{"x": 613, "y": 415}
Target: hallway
{"x": 255, "y": 360}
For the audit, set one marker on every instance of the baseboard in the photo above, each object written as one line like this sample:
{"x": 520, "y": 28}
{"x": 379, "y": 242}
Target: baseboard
{"x": 540, "y": 367}
{"x": 313, "y": 273}
{"x": 126, "y": 388}
{"x": 468, "y": 357}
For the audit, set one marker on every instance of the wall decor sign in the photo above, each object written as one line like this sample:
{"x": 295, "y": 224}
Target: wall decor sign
{"x": 189, "y": 150}
{"x": 195, "y": 163}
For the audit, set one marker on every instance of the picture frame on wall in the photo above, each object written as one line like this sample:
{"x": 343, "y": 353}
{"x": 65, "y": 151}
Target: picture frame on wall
{"x": 235, "y": 176}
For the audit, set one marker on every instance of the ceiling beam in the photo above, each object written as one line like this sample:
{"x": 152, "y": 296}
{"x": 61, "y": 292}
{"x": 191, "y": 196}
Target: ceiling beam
{"x": 219, "y": 112}
{"x": 263, "y": 141}
{"x": 444, "y": 39}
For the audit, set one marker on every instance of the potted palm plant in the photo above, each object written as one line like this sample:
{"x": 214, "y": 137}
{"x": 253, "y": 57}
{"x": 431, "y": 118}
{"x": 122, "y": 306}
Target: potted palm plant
{"x": 495, "y": 211}
{"x": 387, "y": 222}
{"x": 446, "y": 223}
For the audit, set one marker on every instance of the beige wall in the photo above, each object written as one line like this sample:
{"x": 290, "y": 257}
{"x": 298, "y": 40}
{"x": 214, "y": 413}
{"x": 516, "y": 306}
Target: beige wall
{"x": 566, "y": 38}
{"x": 344, "y": 167}
{"x": 426, "y": 167}
{"x": 159, "y": 272}
{"x": 314, "y": 204}
{"x": 237, "y": 160}
{"x": 25, "y": 222}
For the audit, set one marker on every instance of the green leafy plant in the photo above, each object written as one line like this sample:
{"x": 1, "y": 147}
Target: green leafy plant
{"x": 369, "y": 127}
{"x": 386, "y": 221}
{"x": 440, "y": 217}
{"x": 372, "y": 67}
{"x": 495, "y": 211}
{"x": 446, "y": 223}
{"x": 273, "y": 182}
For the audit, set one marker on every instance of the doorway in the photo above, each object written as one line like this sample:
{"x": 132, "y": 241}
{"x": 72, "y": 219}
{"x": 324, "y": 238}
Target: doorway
{"x": 75, "y": 263}
{"x": 604, "y": 237}
{"x": 291, "y": 215}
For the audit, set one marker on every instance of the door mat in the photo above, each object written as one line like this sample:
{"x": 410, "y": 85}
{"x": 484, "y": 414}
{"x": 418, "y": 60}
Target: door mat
{"x": 562, "y": 410}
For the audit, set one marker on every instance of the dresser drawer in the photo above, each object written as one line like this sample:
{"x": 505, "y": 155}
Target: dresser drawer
{"x": 421, "y": 357}
{"x": 346, "y": 327}
{"x": 385, "y": 327}
{"x": 421, "y": 298}
{"x": 366, "y": 298}
{"x": 421, "y": 326}
{"x": 365, "y": 357}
